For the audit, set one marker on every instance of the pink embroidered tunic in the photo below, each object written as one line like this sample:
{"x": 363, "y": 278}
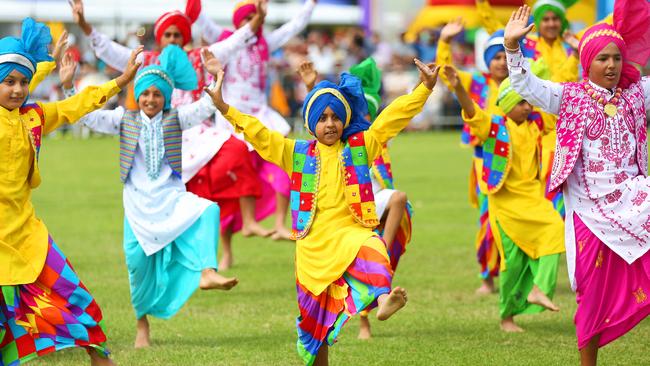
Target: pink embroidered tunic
{"x": 600, "y": 162}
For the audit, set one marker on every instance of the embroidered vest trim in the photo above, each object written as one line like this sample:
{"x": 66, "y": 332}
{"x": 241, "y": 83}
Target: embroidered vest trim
{"x": 305, "y": 178}
{"x": 576, "y": 108}
{"x": 130, "y": 127}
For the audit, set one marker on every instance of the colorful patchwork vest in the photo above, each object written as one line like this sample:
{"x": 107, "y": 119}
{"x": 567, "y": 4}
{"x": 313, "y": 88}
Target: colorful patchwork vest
{"x": 497, "y": 152}
{"x": 577, "y": 110}
{"x": 381, "y": 168}
{"x": 35, "y": 129}
{"x": 305, "y": 178}
{"x": 130, "y": 127}
{"x": 479, "y": 91}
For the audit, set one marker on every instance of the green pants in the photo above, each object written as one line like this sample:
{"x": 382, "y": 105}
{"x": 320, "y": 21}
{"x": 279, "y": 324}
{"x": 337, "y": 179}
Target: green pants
{"x": 522, "y": 272}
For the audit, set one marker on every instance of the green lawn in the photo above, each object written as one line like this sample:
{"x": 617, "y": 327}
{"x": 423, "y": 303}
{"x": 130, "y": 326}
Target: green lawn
{"x": 444, "y": 323}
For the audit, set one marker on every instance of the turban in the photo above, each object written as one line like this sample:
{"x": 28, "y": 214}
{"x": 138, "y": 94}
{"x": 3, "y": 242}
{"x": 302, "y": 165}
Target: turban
{"x": 175, "y": 71}
{"x": 346, "y": 100}
{"x": 177, "y": 18}
{"x": 508, "y": 98}
{"x": 24, "y": 53}
{"x": 370, "y": 76}
{"x": 559, "y": 7}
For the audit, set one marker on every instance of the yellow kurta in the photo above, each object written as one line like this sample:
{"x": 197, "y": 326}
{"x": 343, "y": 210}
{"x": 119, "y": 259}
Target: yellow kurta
{"x": 23, "y": 237}
{"x": 564, "y": 68}
{"x": 335, "y": 236}
{"x": 519, "y": 205}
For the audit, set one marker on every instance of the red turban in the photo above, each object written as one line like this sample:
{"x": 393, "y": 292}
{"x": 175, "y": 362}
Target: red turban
{"x": 176, "y": 18}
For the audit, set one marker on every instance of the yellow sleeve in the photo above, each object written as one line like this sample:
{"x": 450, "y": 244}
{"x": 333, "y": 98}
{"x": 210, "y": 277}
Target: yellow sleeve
{"x": 43, "y": 69}
{"x": 271, "y": 145}
{"x": 548, "y": 122}
{"x": 393, "y": 119}
{"x": 479, "y": 125}
{"x": 70, "y": 110}
{"x": 488, "y": 17}
{"x": 568, "y": 72}
{"x": 443, "y": 57}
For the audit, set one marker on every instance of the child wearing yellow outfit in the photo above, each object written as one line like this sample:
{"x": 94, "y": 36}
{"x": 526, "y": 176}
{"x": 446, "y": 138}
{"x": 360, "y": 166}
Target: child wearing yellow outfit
{"x": 44, "y": 307}
{"x": 528, "y": 231}
{"x": 342, "y": 266}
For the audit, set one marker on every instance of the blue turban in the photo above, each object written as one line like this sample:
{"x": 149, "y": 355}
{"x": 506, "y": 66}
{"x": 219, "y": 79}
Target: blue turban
{"x": 347, "y": 100}
{"x": 175, "y": 71}
{"x": 24, "y": 53}
{"x": 495, "y": 45}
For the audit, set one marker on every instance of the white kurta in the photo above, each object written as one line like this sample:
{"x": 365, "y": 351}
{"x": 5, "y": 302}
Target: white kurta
{"x": 202, "y": 142}
{"x": 605, "y": 187}
{"x": 242, "y": 86}
{"x": 159, "y": 210}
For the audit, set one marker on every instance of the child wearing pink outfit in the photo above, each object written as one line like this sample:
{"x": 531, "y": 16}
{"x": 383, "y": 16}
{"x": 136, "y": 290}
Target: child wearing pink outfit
{"x": 601, "y": 164}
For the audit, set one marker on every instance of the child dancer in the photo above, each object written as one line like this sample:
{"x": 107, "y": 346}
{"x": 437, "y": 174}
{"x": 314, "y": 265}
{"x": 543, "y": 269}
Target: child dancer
{"x": 342, "y": 266}
{"x": 230, "y": 179}
{"x": 483, "y": 89}
{"x": 44, "y": 307}
{"x": 601, "y": 165}
{"x": 245, "y": 88}
{"x": 528, "y": 231}
{"x": 170, "y": 235}
{"x": 392, "y": 205}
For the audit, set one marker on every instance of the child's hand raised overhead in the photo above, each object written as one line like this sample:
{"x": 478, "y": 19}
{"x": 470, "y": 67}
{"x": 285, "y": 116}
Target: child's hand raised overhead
{"x": 79, "y": 16}
{"x": 60, "y": 47}
{"x": 428, "y": 73}
{"x": 517, "y": 27}
{"x": 210, "y": 62}
{"x": 308, "y": 74}
{"x": 452, "y": 29}
{"x": 452, "y": 76}
{"x": 131, "y": 69}
{"x": 216, "y": 94}
{"x": 67, "y": 68}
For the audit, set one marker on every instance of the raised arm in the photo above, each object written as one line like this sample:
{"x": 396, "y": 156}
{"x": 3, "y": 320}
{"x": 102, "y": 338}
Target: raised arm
{"x": 210, "y": 30}
{"x": 271, "y": 145}
{"x": 487, "y": 16}
{"x": 104, "y": 121}
{"x": 226, "y": 49}
{"x": 91, "y": 98}
{"x": 297, "y": 24}
{"x": 112, "y": 53}
{"x": 544, "y": 94}
{"x": 443, "y": 53}
{"x": 397, "y": 115}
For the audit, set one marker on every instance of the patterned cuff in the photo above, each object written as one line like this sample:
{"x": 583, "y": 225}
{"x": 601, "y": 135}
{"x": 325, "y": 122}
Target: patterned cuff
{"x": 515, "y": 61}
{"x": 67, "y": 93}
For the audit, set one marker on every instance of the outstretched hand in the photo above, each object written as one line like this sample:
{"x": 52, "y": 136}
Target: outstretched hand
{"x": 211, "y": 63}
{"x": 260, "y": 15}
{"x": 216, "y": 93}
{"x": 517, "y": 27}
{"x": 452, "y": 29}
{"x": 571, "y": 39}
{"x": 308, "y": 74}
{"x": 428, "y": 73}
{"x": 131, "y": 69}
{"x": 79, "y": 16}
{"x": 67, "y": 68}
{"x": 60, "y": 47}
{"x": 452, "y": 76}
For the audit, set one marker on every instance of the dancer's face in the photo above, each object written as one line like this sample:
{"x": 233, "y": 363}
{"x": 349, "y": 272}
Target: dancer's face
{"x": 14, "y": 90}
{"x": 171, "y": 35}
{"x": 499, "y": 66}
{"x": 550, "y": 26}
{"x": 329, "y": 128}
{"x": 605, "y": 69}
{"x": 151, "y": 101}
{"x": 520, "y": 112}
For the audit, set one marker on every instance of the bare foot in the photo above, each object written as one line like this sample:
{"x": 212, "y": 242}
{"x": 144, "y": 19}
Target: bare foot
{"x": 281, "y": 233}
{"x": 537, "y": 297}
{"x": 508, "y": 325}
{"x": 226, "y": 262}
{"x": 255, "y": 229}
{"x": 97, "y": 360}
{"x": 487, "y": 287}
{"x": 391, "y": 303}
{"x": 211, "y": 280}
{"x": 364, "y": 328}
{"x": 142, "y": 336}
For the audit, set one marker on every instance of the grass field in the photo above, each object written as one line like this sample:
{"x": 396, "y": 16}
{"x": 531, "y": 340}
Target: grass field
{"x": 444, "y": 323}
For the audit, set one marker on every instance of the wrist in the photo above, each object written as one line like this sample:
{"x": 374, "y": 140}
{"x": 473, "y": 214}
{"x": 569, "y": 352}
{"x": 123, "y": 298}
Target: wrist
{"x": 67, "y": 85}
{"x": 511, "y": 46}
